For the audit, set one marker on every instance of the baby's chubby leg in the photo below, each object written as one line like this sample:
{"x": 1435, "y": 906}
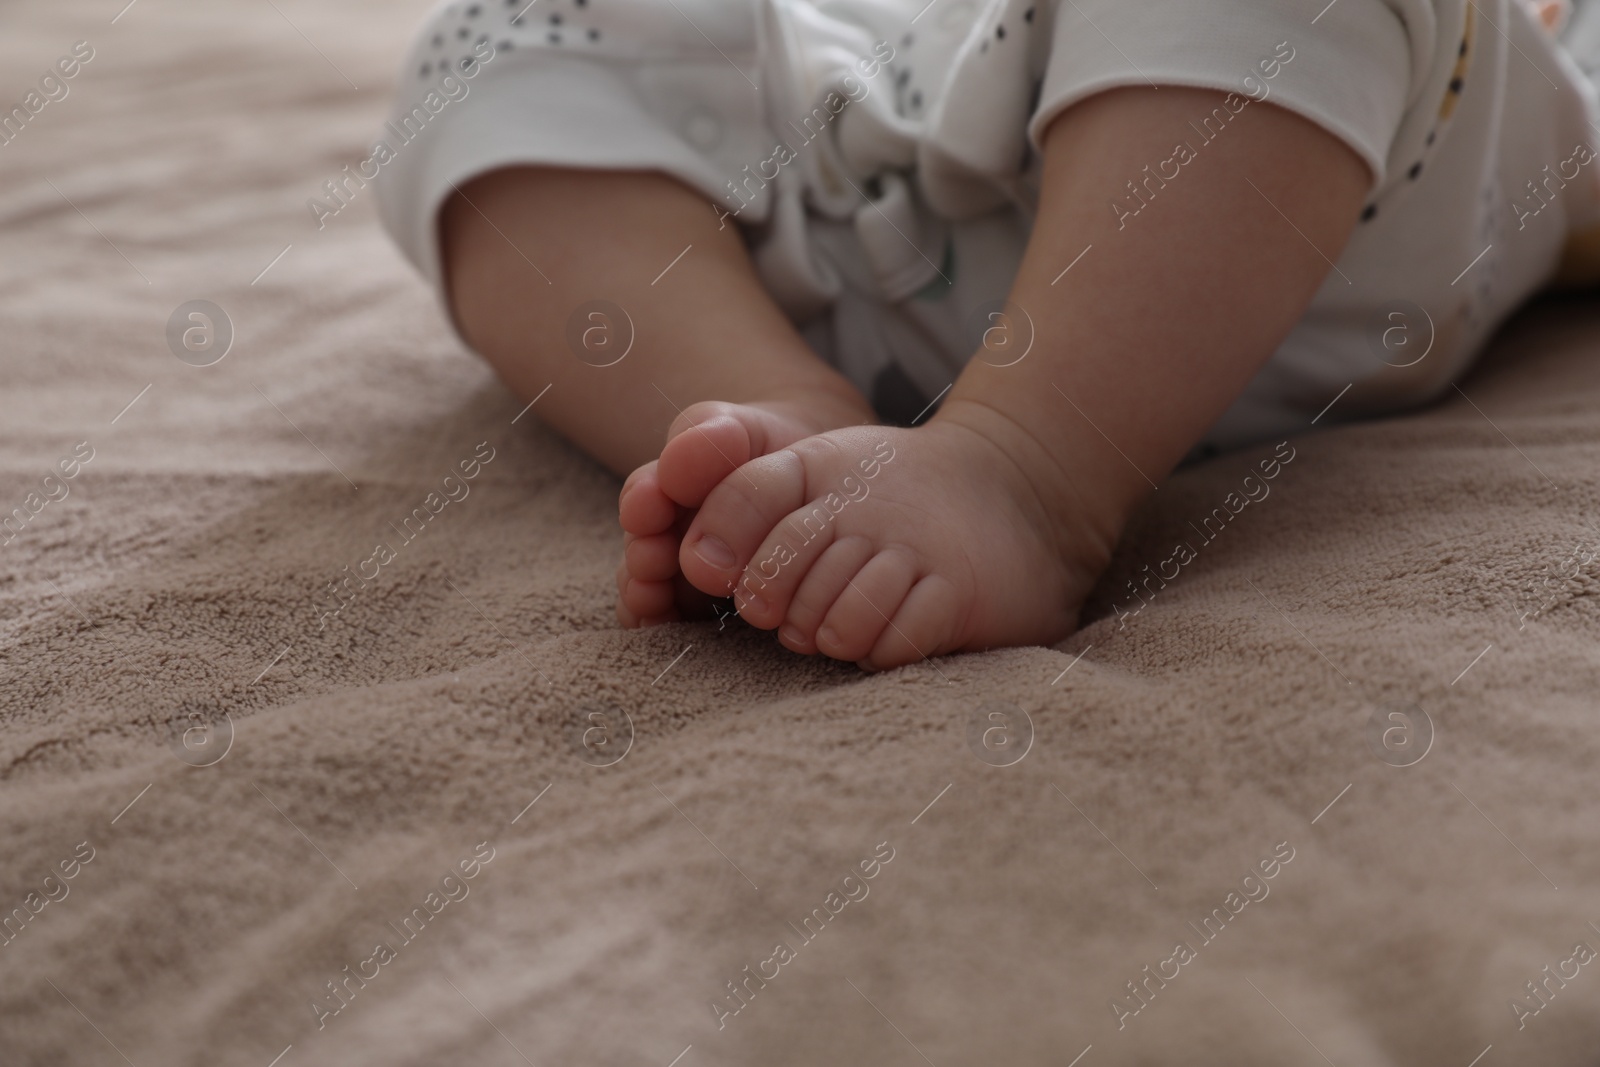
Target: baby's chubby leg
{"x": 990, "y": 522}
{"x": 715, "y": 369}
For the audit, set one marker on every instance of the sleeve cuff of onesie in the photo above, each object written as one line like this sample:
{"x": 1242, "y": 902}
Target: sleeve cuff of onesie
{"x": 1350, "y": 73}
{"x": 533, "y": 114}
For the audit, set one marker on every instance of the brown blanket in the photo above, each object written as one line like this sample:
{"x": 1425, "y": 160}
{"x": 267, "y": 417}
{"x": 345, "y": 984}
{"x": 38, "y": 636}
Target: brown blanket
{"x": 267, "y": 786}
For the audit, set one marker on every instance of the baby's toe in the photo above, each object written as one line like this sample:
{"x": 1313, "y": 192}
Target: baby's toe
{"x": 736, "y": 517}
{"x": 819, "y": 587}
{"x": 625, "y": 618}
{"x": 922, "y": 627}
{"x": 781, "y": 562}
{"x": 642, "y": 508}
{"x": 651, "y": 559}
{"x": 647, "y": 600}
{"x": 862, "y": 612}
{"x": 708, "y": 442}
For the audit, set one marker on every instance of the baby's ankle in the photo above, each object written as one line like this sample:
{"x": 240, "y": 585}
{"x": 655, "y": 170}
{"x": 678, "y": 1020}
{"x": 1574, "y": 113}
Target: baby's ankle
{"x": 1080, "y": 513}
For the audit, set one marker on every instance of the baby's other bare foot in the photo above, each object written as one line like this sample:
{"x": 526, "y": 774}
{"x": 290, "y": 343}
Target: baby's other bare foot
{"x": 885, "y": 546}
{"x": 707, "y": 443}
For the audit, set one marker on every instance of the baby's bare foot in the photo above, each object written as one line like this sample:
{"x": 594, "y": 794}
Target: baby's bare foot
{"x": 707, "y": 443}
{"x": 886, "y": 546}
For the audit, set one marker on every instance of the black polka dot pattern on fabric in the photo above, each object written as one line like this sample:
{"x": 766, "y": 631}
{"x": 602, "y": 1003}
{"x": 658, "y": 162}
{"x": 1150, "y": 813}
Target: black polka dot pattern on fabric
{"x": 1450, "y": 100}
{"x": 909, "y": 92}
{"x": 555, "y": 28}
{"x": 527, "y": 23}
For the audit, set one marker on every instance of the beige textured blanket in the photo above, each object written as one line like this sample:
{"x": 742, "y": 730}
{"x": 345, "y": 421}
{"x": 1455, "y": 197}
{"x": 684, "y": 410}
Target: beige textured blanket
{"x": 270, "y": 791}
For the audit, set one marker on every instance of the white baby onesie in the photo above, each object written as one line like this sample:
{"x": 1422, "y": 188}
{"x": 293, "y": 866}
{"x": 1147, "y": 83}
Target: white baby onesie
{"x": 882, "y": 158}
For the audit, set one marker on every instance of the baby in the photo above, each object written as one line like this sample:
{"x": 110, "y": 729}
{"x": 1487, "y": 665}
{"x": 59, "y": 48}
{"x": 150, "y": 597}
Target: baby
{"x": 892, "y": 311}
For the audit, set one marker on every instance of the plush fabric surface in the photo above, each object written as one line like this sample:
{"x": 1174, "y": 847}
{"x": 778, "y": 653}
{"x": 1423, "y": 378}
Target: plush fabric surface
{"x": 182, "y": 578}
